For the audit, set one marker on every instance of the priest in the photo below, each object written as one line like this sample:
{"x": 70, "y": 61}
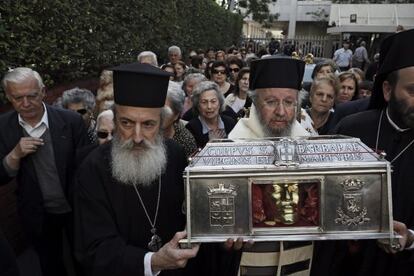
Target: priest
{"x": 129, "y": 193}
{"x": 387, "y": 128}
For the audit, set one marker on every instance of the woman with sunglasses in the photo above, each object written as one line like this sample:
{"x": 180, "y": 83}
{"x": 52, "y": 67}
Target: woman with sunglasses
{"x": 105, "y": 126}
{"x": 234, "y": 65}
{"x": 83, "y": 102}
{"x": 219, "y": 73}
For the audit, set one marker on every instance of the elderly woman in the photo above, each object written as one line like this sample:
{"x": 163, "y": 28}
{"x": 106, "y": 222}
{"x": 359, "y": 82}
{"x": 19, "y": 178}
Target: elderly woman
{"x": 173, "y": 127}
{"x": 190, "y": 81}
{"x": 81, "y": 101}
{"x": 322, "y": 69}
{"x": 348, "y": 89}
{"x": 105, "y": 126}
{"x": 322, "y": 98}
{"x": 208, "y": 101}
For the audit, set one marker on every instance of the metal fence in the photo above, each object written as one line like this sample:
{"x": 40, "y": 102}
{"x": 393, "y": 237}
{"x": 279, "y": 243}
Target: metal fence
{"x": 319, "y": 46}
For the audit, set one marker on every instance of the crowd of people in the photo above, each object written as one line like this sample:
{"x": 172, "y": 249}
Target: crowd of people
{"x": 106, "y": 169}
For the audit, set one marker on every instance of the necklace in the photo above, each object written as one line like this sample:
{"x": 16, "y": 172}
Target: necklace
{"x": 155, "y": 243}
{"x": 378, "y": 135}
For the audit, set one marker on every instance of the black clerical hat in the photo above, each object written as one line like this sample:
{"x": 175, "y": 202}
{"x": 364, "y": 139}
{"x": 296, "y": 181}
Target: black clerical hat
{"x": 276, "y": 72}
{"x": 396, "y": 52}
{"x": 138, "y": 84}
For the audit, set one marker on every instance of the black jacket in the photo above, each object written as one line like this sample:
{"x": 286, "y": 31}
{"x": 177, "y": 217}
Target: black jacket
{"x": 68, "y": 133}
{"x": 195, "y": 127}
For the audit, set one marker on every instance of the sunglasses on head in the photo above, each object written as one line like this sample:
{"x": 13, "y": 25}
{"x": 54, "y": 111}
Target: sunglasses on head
{"x": 82, "y": 111}
{"x": 102, "y": 134}
{"x": 217, "y": 72}
{"x": 235, "y": 70}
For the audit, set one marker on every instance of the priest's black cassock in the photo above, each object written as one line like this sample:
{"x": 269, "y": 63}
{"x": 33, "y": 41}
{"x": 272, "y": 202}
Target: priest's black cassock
{"x": 371, "y": 260}
{"x": 112, "y": 231}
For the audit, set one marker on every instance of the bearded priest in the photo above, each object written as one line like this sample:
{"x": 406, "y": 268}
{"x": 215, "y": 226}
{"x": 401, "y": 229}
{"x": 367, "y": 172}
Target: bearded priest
{"x": 130, "y": 192}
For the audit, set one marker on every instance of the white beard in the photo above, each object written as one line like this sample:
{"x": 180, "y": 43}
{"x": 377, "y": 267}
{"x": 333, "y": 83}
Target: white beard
{"x": 142, "y": 167}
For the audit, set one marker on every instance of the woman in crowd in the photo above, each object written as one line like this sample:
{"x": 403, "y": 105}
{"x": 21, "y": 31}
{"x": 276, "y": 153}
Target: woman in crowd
{"x": 220, "y": 55}
{"x": 180, "y": 69}
{"x": 238, "y": 101}
{"x": 208, "y": 101}
{"x": 105, "y": 126}
{"x": 190, "y": 81}
{"x": 348, "y": 88}
{"x": 359, "y": 74}
{"x": 234, "y": 65}
{"x": 173, "y": 127}
{"x": 322, "y": 69}
{"x": 219, "y": 73}
{"x": 322, "y": 98}
{"x": 81, "y": 101}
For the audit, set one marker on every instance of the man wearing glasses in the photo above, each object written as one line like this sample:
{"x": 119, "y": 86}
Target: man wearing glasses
{"x": 274, "y": 83}
{"x": 37, "y": 147}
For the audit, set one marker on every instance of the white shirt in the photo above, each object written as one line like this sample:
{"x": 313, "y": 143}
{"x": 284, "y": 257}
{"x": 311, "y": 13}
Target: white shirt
{"x": 342, "y": 57}
{"x": 147, "y": 265}
{"x": 39, "y": 128}
{"x": 235, "y": 102}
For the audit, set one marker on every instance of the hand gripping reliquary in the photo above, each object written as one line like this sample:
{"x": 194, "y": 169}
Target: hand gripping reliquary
{"x": 314, "y": 188}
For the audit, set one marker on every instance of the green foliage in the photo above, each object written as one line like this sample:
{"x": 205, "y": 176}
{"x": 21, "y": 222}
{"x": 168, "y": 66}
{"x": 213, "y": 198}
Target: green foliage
{"x": 66, "y": 40}
{"x": 258, "y": 9}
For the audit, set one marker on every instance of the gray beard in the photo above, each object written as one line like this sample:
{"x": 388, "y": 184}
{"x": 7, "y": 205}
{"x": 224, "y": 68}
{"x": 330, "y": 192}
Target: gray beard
{"x": 138, "y": 168}
{"x": 270, "y": 132}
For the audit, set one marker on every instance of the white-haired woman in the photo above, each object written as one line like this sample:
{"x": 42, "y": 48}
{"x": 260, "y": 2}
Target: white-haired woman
{"x": 208, "y": 124}
{"x": 83, "y": 102}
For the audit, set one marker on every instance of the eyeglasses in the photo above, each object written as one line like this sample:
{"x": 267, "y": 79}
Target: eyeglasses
{"x": 82, "y": 111}
{"x": 235, "y": 70}
{"x": 102, "y": 134}
{"x": 273, "y": 104}
{"x": 218, "y": 72}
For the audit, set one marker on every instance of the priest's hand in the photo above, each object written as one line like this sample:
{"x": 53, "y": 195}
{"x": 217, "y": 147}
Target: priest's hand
{"x": 406, "y": 239}
{"x": 170, "y": 256}
{"x": 237, "y": 244}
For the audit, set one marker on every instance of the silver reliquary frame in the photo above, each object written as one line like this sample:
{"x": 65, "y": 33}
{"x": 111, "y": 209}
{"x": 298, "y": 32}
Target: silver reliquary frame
{"x": 310, "y": 188}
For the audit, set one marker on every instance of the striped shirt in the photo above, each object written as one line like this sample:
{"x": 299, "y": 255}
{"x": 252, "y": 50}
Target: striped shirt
{"x": 277, "y": 258}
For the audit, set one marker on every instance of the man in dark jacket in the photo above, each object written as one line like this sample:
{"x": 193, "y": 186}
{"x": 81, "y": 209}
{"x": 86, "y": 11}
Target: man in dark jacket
{"x": 38, "y": 144}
